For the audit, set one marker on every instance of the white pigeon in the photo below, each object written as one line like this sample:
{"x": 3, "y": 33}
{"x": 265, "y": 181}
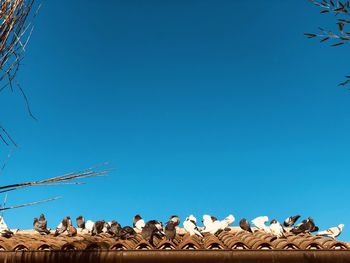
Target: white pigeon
{"x": 259, "y": 223}
{"x": 227, "y": 221}
{"x": 276, "y": 228}
{"x": 89, "y": 225}
{"x": 207, "y": 221}
{"x": 212, "y": 227}
{"x": 332, "y": 232}
{"x": 139, "y": 225}
{"x": 3, "y": 226}
{"x": 190, "y": 225}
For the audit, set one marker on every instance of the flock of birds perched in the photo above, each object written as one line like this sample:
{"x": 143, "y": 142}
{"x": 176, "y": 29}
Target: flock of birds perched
{"x": 155, "y": 228}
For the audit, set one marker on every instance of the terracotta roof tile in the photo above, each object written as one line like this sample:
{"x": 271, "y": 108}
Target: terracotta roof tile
{"x": 222, "y": 241}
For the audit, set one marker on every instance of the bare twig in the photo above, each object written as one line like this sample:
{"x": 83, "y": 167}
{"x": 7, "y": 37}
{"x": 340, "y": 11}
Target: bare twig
{"x": 58, "y": 180}
{"x": 29, "y": 204}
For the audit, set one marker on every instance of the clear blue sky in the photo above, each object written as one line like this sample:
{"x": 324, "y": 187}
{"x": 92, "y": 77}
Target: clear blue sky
{"x": 200, "y": 107}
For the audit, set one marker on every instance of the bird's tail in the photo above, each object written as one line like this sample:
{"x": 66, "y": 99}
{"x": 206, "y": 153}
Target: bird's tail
{"x": 198, "y": 233}
{"x": 322, "y": 233}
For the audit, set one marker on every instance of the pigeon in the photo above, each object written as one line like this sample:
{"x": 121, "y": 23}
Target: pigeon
{"x": 4, "y": 230}
{"x": 126, "y": 232}
{"x": 170, "y": 230}
{"x": 276, "y": 228}
{"x": 43, "y": 221}
{"x": 62, "y": 227}
{"x": 40, "y": 225}
{"x": 36, "y": 224}
{"x": 80, "y": 222}
{"x": 259, "y": 223}
{"x": 190, "y": 225}
{"x": 89, "y": 225}
{"x": 115, "y": 228}
{"x": 138, "y": 223}
{"x": 313, "y": 227}
{"x": 106, "y": 227}
{"x": 244, "y": 224}
{"x": 72, "y": 231}
{"x": 152, "y": 229}
{"x": 290, "y": 221}
{"x": 158, "y": 225}
{"x": 207, "y": 221}
{"x": 332, "y": 232}
{"x": 175, "y": 219}
{"x": 226, "y": 222}
{"x": 99, "y": 227}
{"x": 69, "y": 222}
{"x": 306, "y": 226}
{"x": 148, "y": 232}
{"x": 211, "y": 225}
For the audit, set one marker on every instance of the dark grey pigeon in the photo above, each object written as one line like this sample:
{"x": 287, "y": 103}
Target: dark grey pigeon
{"x": 290, "y": 221}
{"x": 98, "y": 227}
{"x": 40, "y": 225}
{"x": 170, "y": 230}
{"x": 153, "y": 228}
{"x": 244, "y": 224}
{"x": 126, "y": 232}
{"x": 115, "y": 228}
{"x": 80, "y": 222}
{"x": 306, "y": 226}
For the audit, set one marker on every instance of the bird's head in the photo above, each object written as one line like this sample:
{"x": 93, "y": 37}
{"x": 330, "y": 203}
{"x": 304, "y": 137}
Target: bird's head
{"x": 273, "y": 221}
{"x": 137, "y": 217}
{"x": 175, "y": 219}
{"x": 207, "y": 219}
{"x": 192, "y": 218}
{"x": 341, "y": 226}
{"x": 243, "y": 220}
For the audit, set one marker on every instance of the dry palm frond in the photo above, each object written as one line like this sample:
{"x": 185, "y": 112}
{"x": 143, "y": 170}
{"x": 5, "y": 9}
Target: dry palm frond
{"x": 15, "y": 32}
{"x": 16, "y": 28}
{"x": 58, "y": 180}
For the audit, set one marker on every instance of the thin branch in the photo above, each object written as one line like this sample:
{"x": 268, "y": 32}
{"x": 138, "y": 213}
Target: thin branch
{"x": 30, "y": 204}
{"x": 8, "y": 135}
{"x": 337, "y": 37}
{"x": 58, "y": 180}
